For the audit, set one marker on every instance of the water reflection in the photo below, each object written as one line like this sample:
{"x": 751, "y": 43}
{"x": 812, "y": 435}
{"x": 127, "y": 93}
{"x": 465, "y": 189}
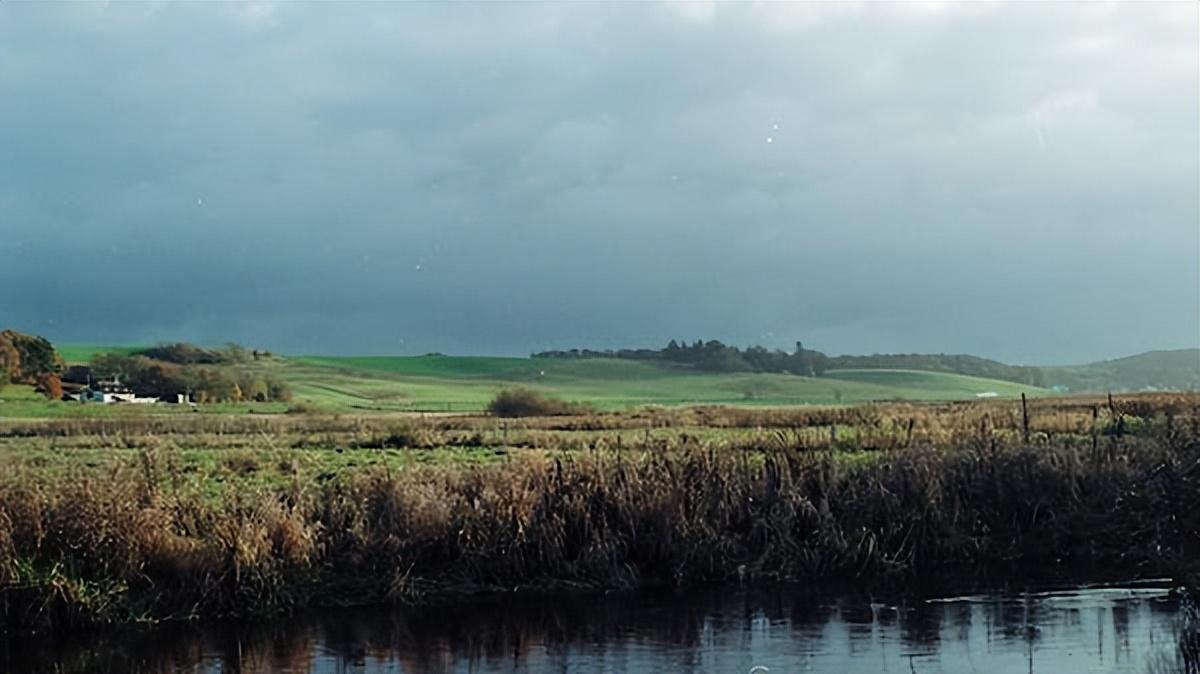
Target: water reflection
{"x": 784, "y": 630}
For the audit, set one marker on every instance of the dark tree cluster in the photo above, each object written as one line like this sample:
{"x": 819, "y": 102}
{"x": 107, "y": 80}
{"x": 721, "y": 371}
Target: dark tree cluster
{"x": 524, "y": 402}
{"x": 182, "y": 353}
{"x": 714, "y": 356}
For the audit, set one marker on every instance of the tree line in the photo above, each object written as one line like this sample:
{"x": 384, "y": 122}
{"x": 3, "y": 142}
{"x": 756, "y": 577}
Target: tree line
{"x": 162, "y": 371}
{"x": 713, "y": 356}
{"x": 204, "y": 375}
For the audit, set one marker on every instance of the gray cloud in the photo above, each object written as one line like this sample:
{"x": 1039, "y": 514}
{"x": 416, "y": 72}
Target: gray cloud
{"x": 1019, "y": 181}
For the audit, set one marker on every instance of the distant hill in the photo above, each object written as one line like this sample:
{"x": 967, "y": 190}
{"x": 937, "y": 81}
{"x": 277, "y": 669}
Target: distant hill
{"x": 972, "y": 366}
{"x": 1176, "y": 370}
{"x": 1156, "y": 370}
{"x": 436, "y": 382}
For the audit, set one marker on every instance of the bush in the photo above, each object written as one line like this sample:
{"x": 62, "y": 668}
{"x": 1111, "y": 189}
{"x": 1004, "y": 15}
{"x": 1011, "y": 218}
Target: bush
{"x": 278, "y": 390}
{"x": 301, "y": 407}
{"x": 524, "y": 402}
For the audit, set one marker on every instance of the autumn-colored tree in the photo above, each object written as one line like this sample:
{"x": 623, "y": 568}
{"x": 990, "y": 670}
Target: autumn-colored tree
{"x": 25, "y": 358}
{"x": 10, "y": 358}
{"x": 50, "y": 386}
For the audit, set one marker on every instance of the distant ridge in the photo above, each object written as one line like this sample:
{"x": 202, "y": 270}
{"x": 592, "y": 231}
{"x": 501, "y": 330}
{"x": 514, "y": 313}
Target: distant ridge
{"x": 1177, "y": 370}
{"x": 1173, "y": 370}
{"x": 1160, "y": 370}
{"x": 972, "y": 366}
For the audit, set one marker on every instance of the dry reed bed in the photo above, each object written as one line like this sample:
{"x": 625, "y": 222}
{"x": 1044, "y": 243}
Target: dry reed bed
{"x": 136, "y": 542}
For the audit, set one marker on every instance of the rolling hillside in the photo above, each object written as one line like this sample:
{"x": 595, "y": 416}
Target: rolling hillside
{"x": 947, "y": 384}
{"x": 1176, "y": 370}
{"x": 452, "y": 383}
{"x": 458, "y": 384}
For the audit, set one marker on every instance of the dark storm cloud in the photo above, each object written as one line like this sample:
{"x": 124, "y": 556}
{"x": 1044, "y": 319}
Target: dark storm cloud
{"x": 1019, "y": 181}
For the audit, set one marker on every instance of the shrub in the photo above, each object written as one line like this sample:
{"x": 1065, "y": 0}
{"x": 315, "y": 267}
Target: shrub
{"x": 524, "y": 402}
{"x": 278, "y": 390}
{"x": 301, "y": 407}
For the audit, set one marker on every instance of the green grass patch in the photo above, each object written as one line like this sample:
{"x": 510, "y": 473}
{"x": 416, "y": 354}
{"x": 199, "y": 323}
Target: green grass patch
{"x": 82, "y": 353}
{"x": 919, "y": 384}
{"x": 444, "y": 383}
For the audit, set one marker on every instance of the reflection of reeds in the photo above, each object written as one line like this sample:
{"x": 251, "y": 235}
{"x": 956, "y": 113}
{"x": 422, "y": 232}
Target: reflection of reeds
{"x": 1189, "y": 635}
{"x": 129, "y": 542}
{"x": 517, "y": 632}
{"x": 499, "y": 630}
{"x": 1184, "y": 657}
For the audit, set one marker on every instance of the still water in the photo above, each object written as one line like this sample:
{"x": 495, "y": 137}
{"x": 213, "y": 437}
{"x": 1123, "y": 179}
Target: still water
{"x": 776, "y": 630}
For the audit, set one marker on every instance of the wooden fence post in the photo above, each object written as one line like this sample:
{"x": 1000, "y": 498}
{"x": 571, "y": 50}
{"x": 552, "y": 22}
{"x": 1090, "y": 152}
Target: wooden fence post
{"x": 1024, "y": 418}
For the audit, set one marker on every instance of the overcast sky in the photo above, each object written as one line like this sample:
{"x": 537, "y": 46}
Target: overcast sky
{"x": 1019, "y": 181}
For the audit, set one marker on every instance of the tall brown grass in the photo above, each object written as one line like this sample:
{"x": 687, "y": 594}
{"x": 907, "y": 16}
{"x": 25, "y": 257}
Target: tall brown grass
{"x": 134, "y": 542}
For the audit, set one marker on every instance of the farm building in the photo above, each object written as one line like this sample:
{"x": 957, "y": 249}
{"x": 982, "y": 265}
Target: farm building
{"x": 106, "y": 392}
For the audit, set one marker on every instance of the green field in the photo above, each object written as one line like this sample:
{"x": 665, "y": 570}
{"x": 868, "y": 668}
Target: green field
{"x": 945, "y": 384}
{"x": 450, "y": 383}
{"x": 463, "y": 384}
{"x": 82, "y": 353}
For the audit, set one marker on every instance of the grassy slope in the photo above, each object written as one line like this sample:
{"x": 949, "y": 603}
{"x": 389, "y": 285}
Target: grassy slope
{"x": 942, "y": 384}
{"x": 1176, "y": 370}
{"x": 459, "y": 383}
{"x": 467, "y": 383}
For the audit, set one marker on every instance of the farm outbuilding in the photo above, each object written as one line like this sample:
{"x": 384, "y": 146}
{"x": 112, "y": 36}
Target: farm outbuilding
{"x": 113, "y": 391}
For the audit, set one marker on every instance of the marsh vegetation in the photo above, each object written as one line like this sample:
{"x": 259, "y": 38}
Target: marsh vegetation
{"x": 146, "y": 518}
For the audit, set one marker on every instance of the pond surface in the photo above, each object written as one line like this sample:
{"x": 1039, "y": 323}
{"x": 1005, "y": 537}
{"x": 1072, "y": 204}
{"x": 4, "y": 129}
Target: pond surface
{"x": 775, "y": 630}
